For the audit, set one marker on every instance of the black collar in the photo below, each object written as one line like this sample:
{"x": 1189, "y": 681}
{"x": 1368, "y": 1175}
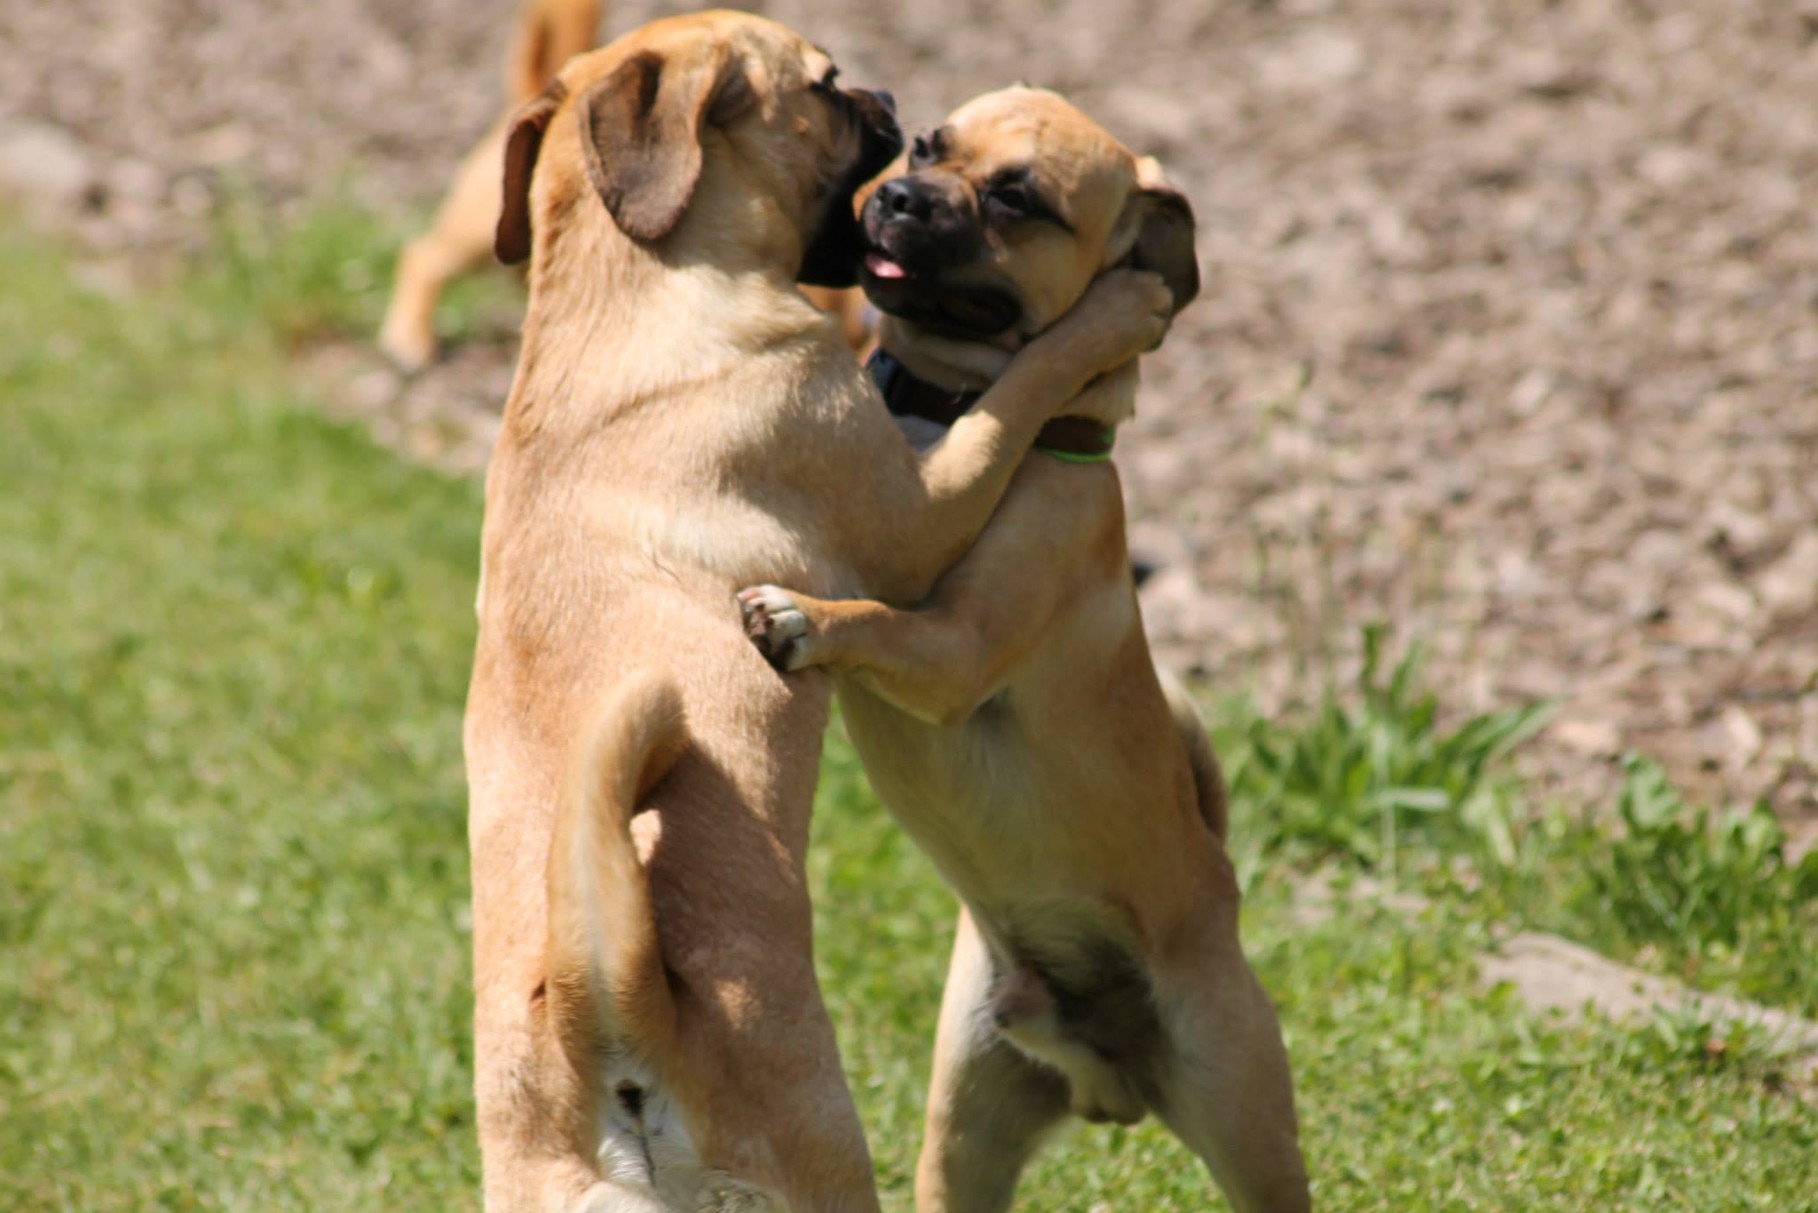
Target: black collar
{"x": 1074, "y": 439}
{"x": 907, "y": 396}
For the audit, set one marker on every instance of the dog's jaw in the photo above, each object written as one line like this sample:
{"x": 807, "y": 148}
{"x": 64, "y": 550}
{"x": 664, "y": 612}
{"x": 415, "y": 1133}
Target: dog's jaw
{"x": 954, "y": 363}
{"x": 975, "y": 313}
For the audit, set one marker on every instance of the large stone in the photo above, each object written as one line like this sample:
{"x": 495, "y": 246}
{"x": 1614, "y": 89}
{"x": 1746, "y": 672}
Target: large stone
{"x": 45, "y": 167}
{"x": 1553, "y": 974}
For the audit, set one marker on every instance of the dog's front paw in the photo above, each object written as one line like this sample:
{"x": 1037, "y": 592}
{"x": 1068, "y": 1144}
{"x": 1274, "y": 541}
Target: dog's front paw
{"x": 776, "y": 625}
{"x": 1123, "y": 314}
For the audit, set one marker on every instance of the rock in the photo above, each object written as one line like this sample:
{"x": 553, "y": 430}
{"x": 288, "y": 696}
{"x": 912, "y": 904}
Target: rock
{"x": 1151, "y": 119}
{"x": 1318, "y": 57}
{"x": 226, "y": 144}
{"x": 137, "y": 181}
{"x": 1744, "y": 533}
{"x": 1742, "y": 734}
{"x": 1598, "y": 737}
{"x": 46, "y": 167}
{"x": 1789, "y": 586}
{"x": 1553, "y": 974}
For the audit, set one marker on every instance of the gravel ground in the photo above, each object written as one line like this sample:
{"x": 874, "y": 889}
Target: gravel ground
{"x": 1510, "y": 335}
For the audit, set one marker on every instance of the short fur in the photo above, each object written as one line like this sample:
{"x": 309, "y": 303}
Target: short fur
{"x": 648, "y": 1031}
{"x": 1015, "y": 723}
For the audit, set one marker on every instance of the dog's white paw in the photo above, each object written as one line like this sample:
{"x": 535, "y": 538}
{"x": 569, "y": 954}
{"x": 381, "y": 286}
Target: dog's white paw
{"x": 776, "y": 625}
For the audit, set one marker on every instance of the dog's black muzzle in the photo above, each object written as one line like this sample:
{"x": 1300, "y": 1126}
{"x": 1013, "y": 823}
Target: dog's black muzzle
{"x": 833, "y": 256}
{"x": 919, "y": 229}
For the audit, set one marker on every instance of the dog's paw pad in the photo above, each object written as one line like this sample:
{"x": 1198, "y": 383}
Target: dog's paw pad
{"x": 775, "y": 624}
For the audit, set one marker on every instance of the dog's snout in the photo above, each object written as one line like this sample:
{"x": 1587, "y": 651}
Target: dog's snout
{"x": 926, "y": 222}
{"x": 876, "y": 112}
{"x": 902, "y": 198}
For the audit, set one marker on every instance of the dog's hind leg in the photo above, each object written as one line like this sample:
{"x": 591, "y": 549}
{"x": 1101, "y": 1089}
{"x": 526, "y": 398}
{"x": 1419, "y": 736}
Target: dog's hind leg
{"x": 1229, "y": 1099}
{"x": 988, "y": 1105}
{"x": 1225, "y": 1089}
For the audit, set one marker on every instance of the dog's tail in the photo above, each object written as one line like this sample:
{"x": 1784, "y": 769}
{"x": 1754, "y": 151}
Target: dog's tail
{"x": 606, "y": 972}
{"x": 1208, "y": 776}
{"x": 550, "y": 33}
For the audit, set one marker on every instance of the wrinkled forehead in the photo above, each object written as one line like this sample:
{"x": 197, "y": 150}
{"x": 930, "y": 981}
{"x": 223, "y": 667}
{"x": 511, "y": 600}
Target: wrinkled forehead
{"x": 771, "y": 50}
{"x": 1038, "y": 130}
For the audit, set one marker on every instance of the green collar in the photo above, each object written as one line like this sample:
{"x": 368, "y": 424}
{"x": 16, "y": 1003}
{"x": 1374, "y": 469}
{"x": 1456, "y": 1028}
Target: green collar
{"x": 1077, "y": 440}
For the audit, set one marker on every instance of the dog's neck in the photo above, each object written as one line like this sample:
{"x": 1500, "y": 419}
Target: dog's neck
{"x": 599, "y": 331}
{"x": 925, "y": 411}
{"x": 937, "y": 379}
{"x": 908, "y": 395}
{"x": 945, "y": 362}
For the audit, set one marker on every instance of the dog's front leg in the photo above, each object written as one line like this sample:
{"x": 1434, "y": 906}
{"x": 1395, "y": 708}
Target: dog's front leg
{"x": 1057, "y": 536}
{"x": 963, "y": 477}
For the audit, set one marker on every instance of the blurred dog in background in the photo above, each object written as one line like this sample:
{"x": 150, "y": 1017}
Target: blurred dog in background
{"x": 550, "y": 32}
{"x": 459, "y": 239}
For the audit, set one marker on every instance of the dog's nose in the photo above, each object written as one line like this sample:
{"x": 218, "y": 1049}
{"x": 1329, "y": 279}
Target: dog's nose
{"x": 900, "y": 198}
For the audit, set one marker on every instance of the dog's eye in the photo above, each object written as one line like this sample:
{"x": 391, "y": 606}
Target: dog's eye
{"x": 1017, "y": 202}
{"x": 1014, "y": 198}
{"x": 826, "y": 83}
{"x": 921, "y": 152}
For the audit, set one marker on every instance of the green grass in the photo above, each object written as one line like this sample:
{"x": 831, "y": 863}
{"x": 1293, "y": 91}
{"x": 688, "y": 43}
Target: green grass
{"x": 232, "y": 877}
{"x": 328, "y": 273}
{"x": 233, "y": 937}
{"x": 1373, "y": 781}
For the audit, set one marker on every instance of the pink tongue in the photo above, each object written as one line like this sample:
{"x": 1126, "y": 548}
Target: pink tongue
{"x": 883, "y": 267}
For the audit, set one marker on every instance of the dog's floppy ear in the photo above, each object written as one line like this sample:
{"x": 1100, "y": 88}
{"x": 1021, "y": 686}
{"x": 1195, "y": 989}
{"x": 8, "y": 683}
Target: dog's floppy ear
{"x": 1163, "y": 238}
{"x": 511, "y": 239}
{"x": 641, "y": 135}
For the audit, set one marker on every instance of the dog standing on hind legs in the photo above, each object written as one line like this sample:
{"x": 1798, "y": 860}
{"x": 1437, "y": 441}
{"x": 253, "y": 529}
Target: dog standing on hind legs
{"x": 1015, "y": 723}
{"x": 648, "y": 1032}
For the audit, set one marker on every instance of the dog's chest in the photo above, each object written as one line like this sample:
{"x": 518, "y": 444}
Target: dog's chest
{"x": 966, "y": 793}
{"x": 722, "y": 537}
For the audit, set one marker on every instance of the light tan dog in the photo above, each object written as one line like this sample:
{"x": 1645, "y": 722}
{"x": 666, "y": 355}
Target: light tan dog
{"x": 648, "y": 1030}
{"x": 459, "y": 238}
{"x": 1015, "y": 723}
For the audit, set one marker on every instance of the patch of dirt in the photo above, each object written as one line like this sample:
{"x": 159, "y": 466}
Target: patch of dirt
{"x": 1509, "y": 337}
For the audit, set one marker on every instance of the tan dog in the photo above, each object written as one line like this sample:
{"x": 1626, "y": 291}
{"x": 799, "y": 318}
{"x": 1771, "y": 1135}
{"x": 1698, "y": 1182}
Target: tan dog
{"x": 1015, "y": 723}
{"x": 460, "y": 236}
{"x": 459, "y": 239}
{"x": 648, "y": 1031}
